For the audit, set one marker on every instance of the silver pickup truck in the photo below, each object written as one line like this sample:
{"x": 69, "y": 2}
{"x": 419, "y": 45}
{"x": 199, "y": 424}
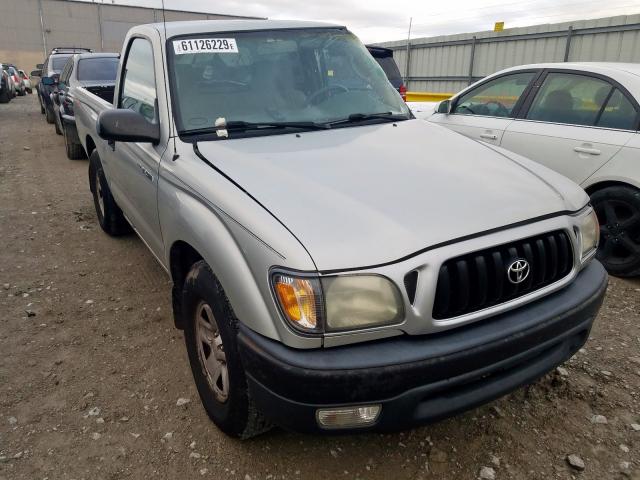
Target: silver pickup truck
{"x": 336, "y": 263}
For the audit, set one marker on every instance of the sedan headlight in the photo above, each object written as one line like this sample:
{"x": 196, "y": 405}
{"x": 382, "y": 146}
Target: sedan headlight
{"x": 589, "y": 230}
{"x": 337, "y": 303}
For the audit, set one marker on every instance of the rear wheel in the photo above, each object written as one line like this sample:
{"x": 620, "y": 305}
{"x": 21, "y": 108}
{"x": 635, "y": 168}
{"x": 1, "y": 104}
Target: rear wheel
{"x": 110, "y": 216}
{"x": 618, "y": 210}
{"x": 211, "y": 339}
{"x": 74, "y": 150}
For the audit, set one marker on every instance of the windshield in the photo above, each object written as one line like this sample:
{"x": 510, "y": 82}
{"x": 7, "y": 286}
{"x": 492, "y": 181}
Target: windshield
{"x": 305, "y": 75}
{"x": 58, "y": 61}
{"x": 96, "y": 69}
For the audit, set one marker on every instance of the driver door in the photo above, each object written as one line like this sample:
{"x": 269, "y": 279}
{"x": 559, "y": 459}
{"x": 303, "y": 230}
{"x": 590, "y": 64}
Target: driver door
{"x": 485, "y": 111}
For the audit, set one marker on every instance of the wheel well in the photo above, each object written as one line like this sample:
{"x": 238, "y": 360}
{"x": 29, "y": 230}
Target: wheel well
{"x": 91, "y": 146}
{"x": 181, "y": 257}
{"x": 591, "y": 189}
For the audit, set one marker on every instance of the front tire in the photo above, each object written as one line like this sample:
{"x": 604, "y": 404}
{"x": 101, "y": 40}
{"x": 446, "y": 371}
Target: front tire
{"x": 211, "y": 339}
{"x": 49, "y": 115}
{"x": 110, "y": 217}
{"x": 5, "y": 97}
{"x": 618, "y": 210}
{"x": 56, "y": 123}
{"x": 74, "y": 150}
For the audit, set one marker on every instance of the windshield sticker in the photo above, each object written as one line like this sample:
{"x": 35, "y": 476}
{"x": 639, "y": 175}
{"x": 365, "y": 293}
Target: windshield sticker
{"x": 205, "y": 45}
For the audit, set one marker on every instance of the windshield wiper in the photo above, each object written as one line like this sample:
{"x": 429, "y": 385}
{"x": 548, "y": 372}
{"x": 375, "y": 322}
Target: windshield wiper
{"x": 361, "y": 117}
{"x": 242, "y": 125}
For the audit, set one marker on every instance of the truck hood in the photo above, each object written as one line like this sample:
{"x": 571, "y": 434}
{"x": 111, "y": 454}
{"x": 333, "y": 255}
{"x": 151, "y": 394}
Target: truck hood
{"x": 362, "y": 196}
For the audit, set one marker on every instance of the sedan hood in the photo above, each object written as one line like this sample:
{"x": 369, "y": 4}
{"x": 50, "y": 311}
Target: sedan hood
{"x": 362, "y": 196}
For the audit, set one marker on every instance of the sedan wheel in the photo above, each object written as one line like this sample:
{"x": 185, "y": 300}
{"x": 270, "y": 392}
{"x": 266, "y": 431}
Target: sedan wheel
{"x": 618, "y": 210}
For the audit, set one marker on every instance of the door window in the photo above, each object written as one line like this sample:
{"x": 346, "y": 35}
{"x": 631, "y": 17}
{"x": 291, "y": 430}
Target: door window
{"x": 139, "y": 86}
{"x": 570, "y": 98}
{"x": 496, "y": 98}
{"x": 618, "y": 113}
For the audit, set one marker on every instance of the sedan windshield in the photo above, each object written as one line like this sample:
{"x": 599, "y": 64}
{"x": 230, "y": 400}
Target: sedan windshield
{"x": 305, "y": 77}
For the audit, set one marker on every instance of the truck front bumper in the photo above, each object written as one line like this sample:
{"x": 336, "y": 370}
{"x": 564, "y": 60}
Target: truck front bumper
{"x": 421, "y": 379}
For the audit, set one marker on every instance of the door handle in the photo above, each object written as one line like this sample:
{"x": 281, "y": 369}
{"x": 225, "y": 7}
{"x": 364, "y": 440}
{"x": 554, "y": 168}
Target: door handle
{"x": 587, "y": 150}
{"x": 145, "y": 172}
{"x": 488, "y": 136}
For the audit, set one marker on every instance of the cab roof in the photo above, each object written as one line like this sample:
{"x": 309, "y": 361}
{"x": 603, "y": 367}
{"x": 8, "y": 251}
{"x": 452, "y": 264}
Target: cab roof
{"x": 209, "y": 26}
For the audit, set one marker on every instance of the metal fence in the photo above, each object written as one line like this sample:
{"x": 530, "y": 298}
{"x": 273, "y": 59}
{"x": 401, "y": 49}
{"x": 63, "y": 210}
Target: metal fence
{"x": 449, "y": 63}
{"x": 30, "y": 28}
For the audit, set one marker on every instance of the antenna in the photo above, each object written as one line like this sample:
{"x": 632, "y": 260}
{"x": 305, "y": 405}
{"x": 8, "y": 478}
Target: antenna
{"x": 164, "y": 24}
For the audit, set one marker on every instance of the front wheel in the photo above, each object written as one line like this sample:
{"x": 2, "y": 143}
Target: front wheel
{"x": 74, "y": 150}
{"x": 618, "y": 210}
{"x": 49, "y": 115}
{"x": 110, "y": 216}
{"x": 211, "y": 340}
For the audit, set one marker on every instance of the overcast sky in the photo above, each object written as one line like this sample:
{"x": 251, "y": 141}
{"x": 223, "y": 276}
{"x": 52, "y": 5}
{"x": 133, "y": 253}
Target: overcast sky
{"x": 381, "y": 20}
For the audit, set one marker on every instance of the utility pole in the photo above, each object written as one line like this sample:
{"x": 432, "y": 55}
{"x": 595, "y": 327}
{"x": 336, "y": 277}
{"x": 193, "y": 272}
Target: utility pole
{"x": 406, "y": 68}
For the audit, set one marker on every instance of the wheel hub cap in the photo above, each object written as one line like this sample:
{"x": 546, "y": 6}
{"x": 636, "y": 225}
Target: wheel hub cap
{"x": 211, "y": 352}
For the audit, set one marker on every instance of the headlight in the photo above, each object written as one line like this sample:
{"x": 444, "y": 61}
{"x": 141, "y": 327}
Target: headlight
{"x": 359, "y": 301}
{"x": 589, "y": 230}
{"x": 338, "y": 303}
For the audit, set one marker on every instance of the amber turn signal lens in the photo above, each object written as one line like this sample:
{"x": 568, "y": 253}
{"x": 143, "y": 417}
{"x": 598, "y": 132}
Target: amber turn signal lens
{"x": 299, "y": 299}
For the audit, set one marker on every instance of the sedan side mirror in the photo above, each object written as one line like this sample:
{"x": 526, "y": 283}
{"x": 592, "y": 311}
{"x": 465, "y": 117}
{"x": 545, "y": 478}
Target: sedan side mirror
{"x": 36, "y": 73}
{"x": 48, "y": 81}
{"x": 124, "y": 125}
{"x": 445, "y": 107}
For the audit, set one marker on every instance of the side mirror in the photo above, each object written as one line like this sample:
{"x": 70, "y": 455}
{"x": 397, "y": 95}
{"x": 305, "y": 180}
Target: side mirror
{"x": 48, "y": 81}
{"x": 124, "y": 125}
{"x": 39, "y": 66}
{"x": 36, "y": 73}
{"x": 444, "y": 107}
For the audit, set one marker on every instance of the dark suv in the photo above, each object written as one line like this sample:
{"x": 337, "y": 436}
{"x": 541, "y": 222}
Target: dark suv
{"x": 384, "y": 57}
{"x": 52, "y": 67}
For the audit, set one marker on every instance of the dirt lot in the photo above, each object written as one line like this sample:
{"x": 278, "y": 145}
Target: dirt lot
{"x": 91, "y": 367}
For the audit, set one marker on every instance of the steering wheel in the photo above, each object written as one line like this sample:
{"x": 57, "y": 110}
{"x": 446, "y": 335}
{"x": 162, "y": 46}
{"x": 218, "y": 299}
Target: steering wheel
{"x": 313, "y": 99}
{"x": 501, "y": 111}
{"x": 468, "y": 109}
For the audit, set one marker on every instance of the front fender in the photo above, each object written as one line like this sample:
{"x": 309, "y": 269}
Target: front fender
{"x": 240, "y": 258}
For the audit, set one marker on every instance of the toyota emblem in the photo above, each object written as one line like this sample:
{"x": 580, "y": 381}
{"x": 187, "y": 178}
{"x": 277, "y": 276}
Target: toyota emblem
{"x": 518, "y": 271}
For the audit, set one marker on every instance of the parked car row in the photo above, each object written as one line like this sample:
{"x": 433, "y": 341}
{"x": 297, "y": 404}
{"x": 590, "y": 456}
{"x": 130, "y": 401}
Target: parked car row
{"x": 13, "y": 82}
{"x": 579, "y": 119}
{"x": 62, "y": 72}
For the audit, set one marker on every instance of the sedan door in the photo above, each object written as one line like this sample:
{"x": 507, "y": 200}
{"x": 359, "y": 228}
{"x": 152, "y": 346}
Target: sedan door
{"x": 575, "y": 124}
{"x": 485, "y": 111}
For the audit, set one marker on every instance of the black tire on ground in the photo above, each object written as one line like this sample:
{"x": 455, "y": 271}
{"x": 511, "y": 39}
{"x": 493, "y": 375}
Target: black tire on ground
{"x": 50, "y": 115}
{"x": 618, "y": 210}
{"x": 110, "y": 216}
{"x": 74, "y": 150}
{"x": 22, "y": 93}
{"x": 235, "y": 414}
{"x": 29, "y": 91}
{"x": 56, "y": 124}
{"x": 41, "y": 106}
{"x": 5, "y": 97}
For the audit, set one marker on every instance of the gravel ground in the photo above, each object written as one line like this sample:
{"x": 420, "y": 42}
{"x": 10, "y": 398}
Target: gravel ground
{"x": 91, "y": 368}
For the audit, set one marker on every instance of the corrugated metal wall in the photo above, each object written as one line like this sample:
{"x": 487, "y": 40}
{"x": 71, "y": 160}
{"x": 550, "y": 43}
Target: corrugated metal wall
{"x": 444, "y": 63}
{"x": 24, "y": 38}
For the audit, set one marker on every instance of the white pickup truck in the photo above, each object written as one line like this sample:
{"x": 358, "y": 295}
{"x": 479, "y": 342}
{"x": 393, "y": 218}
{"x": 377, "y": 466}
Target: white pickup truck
{"x": 336, "y": 263}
